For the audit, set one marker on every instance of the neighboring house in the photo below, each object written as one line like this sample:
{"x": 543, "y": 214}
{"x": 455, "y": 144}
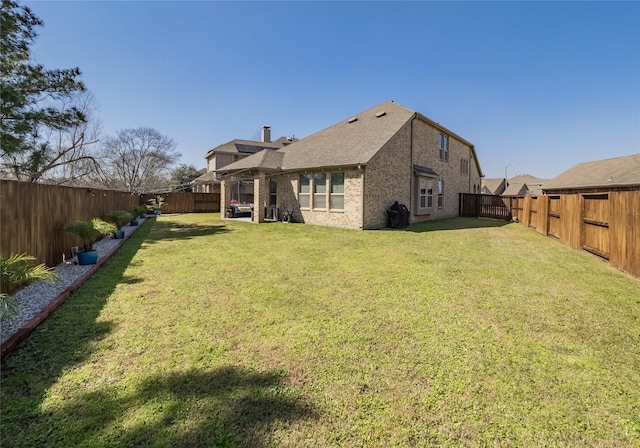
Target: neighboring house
{"x": 492, "y": 186}
{"x": 524, "y": 185}
{"x": 617, "y": 174}
{"x": 229, "y": 152}
{"x": 351, "y": 173}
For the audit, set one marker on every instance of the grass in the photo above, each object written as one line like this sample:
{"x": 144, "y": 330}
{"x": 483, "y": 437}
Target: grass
{"x": 460, "y": 332}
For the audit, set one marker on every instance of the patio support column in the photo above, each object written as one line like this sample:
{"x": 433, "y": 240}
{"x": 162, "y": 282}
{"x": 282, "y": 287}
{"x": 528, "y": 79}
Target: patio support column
{"x": 260, "y": 185}
{"x": 225, "y": 198}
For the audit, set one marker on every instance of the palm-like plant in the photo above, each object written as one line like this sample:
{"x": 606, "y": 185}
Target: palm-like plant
{"x": 120, "y": 217}
{"x": 89, "y": 231}
{"x": 156, "y": 203}
{"x": 16, "y": 271}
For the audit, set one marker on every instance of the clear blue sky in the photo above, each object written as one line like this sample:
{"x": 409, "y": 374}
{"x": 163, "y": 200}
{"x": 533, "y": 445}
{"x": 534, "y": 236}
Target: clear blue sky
{"x": 543, "y": 84}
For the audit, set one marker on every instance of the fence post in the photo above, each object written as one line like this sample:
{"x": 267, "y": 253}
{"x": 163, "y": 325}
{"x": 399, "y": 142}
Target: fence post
{"x": 543, "y": 215}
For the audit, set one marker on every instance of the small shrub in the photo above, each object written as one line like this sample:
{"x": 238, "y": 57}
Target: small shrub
{"x": 17, "y": 271}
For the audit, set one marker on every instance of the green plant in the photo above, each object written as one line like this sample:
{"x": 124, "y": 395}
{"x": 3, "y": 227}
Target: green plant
{"x": 138, "y": 210}
{"x": 156, "y": 203}
{"x": 17, "y": 271}
{"x": 90, "y": 231}
{"x": 120, "y": 217}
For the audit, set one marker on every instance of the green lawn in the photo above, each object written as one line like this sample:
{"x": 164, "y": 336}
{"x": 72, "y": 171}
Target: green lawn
{"x": 460, "y": 332}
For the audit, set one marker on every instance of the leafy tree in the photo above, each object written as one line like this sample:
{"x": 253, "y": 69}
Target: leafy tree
{"x": 30, "y": 94}
{"x": 182, "y": 177}
{"x": 137, "y": 160}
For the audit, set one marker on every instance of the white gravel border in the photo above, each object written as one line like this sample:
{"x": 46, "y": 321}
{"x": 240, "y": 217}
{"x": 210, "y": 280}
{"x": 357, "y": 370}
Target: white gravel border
{"x": 35, "y": 297}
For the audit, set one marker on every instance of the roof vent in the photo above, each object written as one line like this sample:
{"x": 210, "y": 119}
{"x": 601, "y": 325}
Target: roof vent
{"x": 381, "y": 114}
{"x": 352, "y": 119}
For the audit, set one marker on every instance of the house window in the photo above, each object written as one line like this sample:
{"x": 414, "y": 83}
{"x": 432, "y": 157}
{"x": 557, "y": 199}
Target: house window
{"x": 320, "y": 190}
{"x": 440, "y": 193}
{"x": 337, "y": 191}
{"x": 425, "y": 195}
{"x": 464, "y": 166}
{"x": 443, "y": 147}
{"x": 304, "y": 190}
{"x": 273, "y": 192}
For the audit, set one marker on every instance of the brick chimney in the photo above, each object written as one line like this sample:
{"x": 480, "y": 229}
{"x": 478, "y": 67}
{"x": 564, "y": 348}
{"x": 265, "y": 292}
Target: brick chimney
{"x": 266, "y": 134}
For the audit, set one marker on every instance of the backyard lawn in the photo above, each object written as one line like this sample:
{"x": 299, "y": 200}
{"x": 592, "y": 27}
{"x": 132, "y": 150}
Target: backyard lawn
{"x": 462, "y": 332}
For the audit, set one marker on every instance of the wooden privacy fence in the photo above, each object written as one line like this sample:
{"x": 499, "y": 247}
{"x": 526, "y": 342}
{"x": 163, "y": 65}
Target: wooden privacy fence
{"x": 32, "y": 216}
{"x": 606, "y": 224}
{"x": 186, "y": 202}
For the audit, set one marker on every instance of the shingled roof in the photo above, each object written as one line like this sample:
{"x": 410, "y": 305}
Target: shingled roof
{"x": 493, "y": 186}
{"x": 353, "y": 141}
{"x": 609, "y": 173}
{"x": 239, "y": 146}
{"x": 524, "y": 184}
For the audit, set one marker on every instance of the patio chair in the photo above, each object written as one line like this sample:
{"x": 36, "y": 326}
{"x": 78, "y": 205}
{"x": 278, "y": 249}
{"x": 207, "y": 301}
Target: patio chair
{"x": 287, "y": 216}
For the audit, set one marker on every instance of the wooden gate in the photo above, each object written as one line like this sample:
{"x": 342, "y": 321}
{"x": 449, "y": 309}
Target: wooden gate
{"x": 595, "y": 224}
{"x": 553, "y": 218}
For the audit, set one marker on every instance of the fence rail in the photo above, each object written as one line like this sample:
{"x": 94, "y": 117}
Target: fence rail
{"x": 32, "y": 216}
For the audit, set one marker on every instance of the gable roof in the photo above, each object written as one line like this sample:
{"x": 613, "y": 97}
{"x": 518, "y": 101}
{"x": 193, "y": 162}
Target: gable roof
{"x": 515, "y": 189}
{"x": 492, "y": 186}
{"x": 239, "y": 146}
{"x": 350, "y": 142}
{"x": 524, "y": 184}
{"x": 615, "y": 172}
{"x": 527, "y": 179}
{"x": 209, "y": 176}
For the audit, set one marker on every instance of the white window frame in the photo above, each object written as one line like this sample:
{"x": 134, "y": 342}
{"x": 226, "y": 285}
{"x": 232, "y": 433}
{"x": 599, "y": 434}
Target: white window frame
{"x": 333, "y": 195}
{"x": 302, "y": 194}
{"x": 443, "y": 146}
{"x": 319, "y": 196}
{"x": 425, "y": 187}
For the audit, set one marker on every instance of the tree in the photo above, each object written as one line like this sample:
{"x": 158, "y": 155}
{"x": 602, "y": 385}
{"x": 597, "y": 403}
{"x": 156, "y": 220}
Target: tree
{"x": 182, "y": 177}
{"x": 137, "y": 160}
{"x": 60, "y": 156}
{"x": 31, "y": 97}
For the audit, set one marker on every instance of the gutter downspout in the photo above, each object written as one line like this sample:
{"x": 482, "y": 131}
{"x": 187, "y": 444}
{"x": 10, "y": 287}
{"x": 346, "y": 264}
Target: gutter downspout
{"x": 469, "y": 170}
{"x": 361, "y": 168}
{"x": 411, "y": 181}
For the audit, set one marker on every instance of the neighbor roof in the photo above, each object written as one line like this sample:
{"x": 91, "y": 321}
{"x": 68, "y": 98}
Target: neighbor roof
{"x": 527, "y": 179}
{"x": 209, "y": 176}
{"x": 493, "y": 186}
{"x": 239, "y": 146}
{"x": 616, "y": 172}
{"x": 515, "y": 189}
{"x": 353, "y": 141}
{"x": 523, "y": 184}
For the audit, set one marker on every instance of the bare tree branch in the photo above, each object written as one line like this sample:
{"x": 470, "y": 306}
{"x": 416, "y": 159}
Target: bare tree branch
{"x": 137, "y": 160}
